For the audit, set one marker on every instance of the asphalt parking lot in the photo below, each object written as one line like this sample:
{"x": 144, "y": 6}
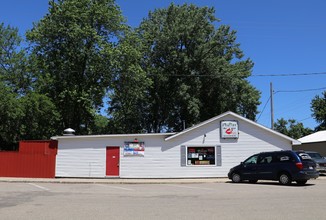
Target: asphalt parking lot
{"x": 222, "y": 200}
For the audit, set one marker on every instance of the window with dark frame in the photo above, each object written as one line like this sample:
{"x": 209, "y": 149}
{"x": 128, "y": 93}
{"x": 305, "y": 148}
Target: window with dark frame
{"x": 201, "y": 156}
{"x": 265, "y": 159}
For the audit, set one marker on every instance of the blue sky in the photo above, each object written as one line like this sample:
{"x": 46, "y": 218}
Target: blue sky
{"x": 280, "y": 37}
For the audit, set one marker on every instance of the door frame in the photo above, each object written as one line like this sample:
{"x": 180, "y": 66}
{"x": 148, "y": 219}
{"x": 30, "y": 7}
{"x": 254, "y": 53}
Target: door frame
{"x": 115, "y": 150}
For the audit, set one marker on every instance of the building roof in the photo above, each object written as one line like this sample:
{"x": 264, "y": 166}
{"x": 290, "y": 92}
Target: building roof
{"x": 111, "y": 135}
{"x": 319, "y": 136}
{"x": 169, "y": 136}
{"x": 229, "y": 113}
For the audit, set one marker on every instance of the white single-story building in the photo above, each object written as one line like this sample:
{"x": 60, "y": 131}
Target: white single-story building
{"x": 313, "y": 142}
{"x": 208, "y": 149}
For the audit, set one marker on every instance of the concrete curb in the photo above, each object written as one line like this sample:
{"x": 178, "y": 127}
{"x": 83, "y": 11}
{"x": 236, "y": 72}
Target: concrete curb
{"x": 120, "y": 180}
{"x": 113, "y": 180}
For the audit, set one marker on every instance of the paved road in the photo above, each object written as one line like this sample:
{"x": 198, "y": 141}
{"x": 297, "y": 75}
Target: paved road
{"x": 264, "y": 200}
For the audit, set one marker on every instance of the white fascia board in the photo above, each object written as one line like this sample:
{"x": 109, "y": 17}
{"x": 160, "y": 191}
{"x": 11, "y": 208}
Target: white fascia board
{"x": 110, "y": 136}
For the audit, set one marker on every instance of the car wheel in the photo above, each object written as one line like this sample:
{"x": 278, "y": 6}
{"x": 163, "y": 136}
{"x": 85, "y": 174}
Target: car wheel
{"x": 236, "y": 178}
{"x": 301, "y": 182}
{"x": 253, "y": 181}
{"x": 285, "y": 179}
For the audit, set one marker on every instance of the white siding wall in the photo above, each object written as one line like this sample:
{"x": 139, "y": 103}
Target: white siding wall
{"x": 87, "y": 157}
{"x": 80, "y": 158}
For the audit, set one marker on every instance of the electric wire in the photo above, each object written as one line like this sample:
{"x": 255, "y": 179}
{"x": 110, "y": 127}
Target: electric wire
{"x": 252, "y": 75}
{"x": 305, "y": 119}
{"x": 289, "y": 74}
{"x": 264, "y": 108}
{"x": 300, "y": 90}
{"x": 290, "y": 91}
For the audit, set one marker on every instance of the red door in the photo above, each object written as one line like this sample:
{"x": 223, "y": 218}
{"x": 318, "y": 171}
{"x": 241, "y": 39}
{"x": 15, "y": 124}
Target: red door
{"x": 112, "y": 161}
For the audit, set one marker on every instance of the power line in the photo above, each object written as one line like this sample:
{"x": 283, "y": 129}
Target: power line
{"x": 304, "y": 119}
{"x": 288, "y": 74}
{"x": 253, "y": 75}
{"x": 280, "y": 91}
{"x": 263, "y": 108}
{"x": 301, "y": 90}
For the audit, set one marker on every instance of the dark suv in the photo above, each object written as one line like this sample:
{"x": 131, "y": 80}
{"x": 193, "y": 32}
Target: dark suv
{"x": 284, "y": 166}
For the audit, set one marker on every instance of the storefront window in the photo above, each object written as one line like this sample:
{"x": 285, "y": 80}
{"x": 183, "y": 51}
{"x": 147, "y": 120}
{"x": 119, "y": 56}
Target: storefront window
{"x": 201, "y": 155}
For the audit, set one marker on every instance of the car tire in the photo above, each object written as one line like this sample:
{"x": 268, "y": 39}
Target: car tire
{"x": 285, "y": 179}
{"x": 301, "y": 182}
{"x": 236, "y": 178}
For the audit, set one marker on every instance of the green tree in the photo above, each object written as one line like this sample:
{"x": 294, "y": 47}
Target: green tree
{"x": 10, "y": 118}
{"x": 281, "y": 126}
{"x": 40, "y": 117}
{"x": 100, "y": 125}
{"x": 24, "y": 114}
{"x": 197, "y": 70}
{"x": 13, "y": 60}
{"x": 129, "y": 88}
{"x": 291, "y": 128}
{"x": 13, "y": 84}
{"x": 73, "y": 46}
{"x": 318, "y": 107}
{"x": 29, "y": 117}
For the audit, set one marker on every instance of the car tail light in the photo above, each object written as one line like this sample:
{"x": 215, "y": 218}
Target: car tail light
{"x": 299, "y": 166}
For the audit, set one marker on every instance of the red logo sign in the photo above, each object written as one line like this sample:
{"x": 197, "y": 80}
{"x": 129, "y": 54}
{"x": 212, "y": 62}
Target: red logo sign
{"x": 229, "y": 131}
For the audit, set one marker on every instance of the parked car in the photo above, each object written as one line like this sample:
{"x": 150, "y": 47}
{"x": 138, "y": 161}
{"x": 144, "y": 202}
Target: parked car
{"x": 320, "y": 161}
{"x": 284, "y": 166}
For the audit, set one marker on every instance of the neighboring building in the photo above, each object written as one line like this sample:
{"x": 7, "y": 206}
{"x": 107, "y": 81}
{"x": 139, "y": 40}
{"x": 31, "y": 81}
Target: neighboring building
{"x": 34, "y": 159}
{"x": 208, "y": 149}
{"x": 313, "y": 142}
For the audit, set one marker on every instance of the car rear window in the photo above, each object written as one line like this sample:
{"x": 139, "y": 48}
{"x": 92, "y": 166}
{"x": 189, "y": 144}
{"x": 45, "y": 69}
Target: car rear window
{"x": 304, "y": 156}
{"x": 284, "y": 157}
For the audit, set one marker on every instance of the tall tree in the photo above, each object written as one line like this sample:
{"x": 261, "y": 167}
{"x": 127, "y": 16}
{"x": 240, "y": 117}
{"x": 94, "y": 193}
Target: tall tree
{"x": 29, "y": 117}
{"x": 10, "y": 118}
{"x": 129, "y": 88}
{"x": 291, "y": 128}
{"x": 100, "y": 125}
{"x": 13, "y": 60}
{"x": 23, "y": 113}
{"x": 72, "y": 46}
{"x": 40, "y": 118}
{"x": 318, "y": 107}
{"x": 197, "y": 70}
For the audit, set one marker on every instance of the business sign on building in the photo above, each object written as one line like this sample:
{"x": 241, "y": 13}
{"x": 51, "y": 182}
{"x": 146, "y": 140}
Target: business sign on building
{"x": 134, "y": 148}
{"x": 229, "y": 129}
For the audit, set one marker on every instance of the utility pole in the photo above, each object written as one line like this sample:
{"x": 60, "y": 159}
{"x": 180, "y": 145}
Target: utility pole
{"x": 272, "y": 106}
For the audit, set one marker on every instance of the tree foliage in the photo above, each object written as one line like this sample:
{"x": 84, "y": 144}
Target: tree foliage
{"x": 24, "y": 114}
{"x": 13, "y": 60}
{"x": 100, "y": 125}
{"x": 196, "y": 70}
{"x": 40, "y": 119}
{"x": 29, "y": 117}
{"x": 129, "y": 87}
{"x": 318, "y": 107}
{"x": 291, "y": 128}
{"x": 178, "y": 66}
{"x": 73, "y": 47}
{"x": 10, "y": 117}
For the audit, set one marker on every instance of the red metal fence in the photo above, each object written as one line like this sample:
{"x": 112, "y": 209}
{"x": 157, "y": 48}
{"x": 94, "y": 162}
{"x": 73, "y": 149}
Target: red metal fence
{"x": 35, "y": 159}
